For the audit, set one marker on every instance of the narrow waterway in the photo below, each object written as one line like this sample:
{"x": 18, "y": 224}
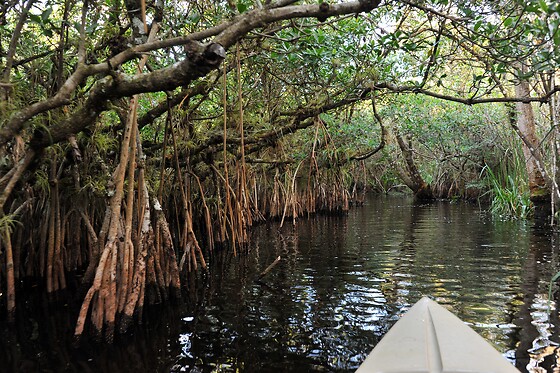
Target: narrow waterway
{"x": 340, "y": 285}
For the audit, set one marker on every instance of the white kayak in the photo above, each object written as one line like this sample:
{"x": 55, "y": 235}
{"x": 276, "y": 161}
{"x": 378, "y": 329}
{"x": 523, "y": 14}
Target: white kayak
{"x": 429, "y": 338}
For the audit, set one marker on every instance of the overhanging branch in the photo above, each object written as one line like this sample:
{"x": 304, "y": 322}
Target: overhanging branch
{"x": 226, "y": 34}
{"x": 467, "y": 101}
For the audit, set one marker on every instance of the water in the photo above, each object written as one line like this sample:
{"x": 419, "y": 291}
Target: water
{"x": 340, "y": 285}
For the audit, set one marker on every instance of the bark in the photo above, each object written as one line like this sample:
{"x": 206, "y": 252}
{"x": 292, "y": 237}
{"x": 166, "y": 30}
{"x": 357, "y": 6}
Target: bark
{"x": 466, "y": 101}
{"x": 137, "y": 260}
{"x": 128, "y": 246}
{"x": 59, "y": 80}
{"x": 97, "y": 247}
{"x": 539, "y": 182}
{"x": 554, "y": 110}
{"x": 413, "y": 179}
{"x": 101, "y": 274}
{"x": 201, "y": 59}
{"x": 12, "y": 50}
{"x": 104, "y": 298}
{"x": 51, "y": 234}
{"x": 172, "y": 269}
{"x": 134, "y": 299}
{"x": 258, "y": 17}
{"x": 12, "y": 177}
{"x": 136, "y": 10}
{"x": 10, "y": 278}
{"x": 382, "y": 141}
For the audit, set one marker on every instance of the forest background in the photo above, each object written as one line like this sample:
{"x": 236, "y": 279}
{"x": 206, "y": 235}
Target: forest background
{"x": 137, "y": 137}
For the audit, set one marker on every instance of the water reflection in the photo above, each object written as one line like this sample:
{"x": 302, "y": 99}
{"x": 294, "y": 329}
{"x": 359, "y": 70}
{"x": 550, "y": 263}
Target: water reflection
{"x": 341, "y": 283}
{"x": 344, "y": 281}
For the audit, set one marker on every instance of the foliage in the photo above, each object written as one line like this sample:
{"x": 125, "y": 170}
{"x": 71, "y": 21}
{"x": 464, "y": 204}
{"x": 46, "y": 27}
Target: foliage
{"x": 8, "y": 223}
{"x": 509, "y": 201}
{"x": 452, "y": 142}
{"x": 252, "y": 109}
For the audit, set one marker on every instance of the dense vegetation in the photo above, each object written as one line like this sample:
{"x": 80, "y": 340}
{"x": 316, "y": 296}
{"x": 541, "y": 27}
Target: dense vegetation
{"x": 137, "y": 137}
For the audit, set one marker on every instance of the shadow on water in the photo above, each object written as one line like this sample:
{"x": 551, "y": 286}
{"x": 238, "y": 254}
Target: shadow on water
{"x": 341, "y": 284}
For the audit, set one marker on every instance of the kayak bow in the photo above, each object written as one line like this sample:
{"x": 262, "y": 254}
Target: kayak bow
{"x": 429, "y": 338}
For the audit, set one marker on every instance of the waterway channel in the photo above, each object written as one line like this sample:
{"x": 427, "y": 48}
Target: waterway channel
{"x": 342, "y": 281}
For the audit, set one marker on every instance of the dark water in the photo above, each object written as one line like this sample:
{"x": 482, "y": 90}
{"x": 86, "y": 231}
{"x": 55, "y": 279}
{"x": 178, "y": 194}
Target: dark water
{"x": 341, "y": 283}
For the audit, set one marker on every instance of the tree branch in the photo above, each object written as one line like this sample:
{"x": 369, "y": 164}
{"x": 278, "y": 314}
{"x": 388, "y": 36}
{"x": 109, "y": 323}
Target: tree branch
{"x": 467, "y": 101}
{"x": 382, "y": 141}
{"x": 183, "y": 72}
{"x": 259, "y": 17}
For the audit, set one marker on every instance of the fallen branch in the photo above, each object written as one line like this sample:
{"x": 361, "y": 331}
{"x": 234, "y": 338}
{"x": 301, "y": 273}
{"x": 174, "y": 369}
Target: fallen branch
{"x": 270, "y": 267}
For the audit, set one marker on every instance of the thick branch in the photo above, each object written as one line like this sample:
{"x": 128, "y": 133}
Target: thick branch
{"x": 228, "y": 33}
{"x": 201, "y": 60}
{"x": 14, "y": 41}
{"x": 467, "y": 101}
{"x": 18, "y": 120}
{"x": 259, "y": 17}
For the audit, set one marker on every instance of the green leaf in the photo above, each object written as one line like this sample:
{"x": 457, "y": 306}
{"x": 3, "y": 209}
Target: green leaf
{"x": 410, "y": 46}
{"x": 35, "y": 18}
{"x": 532, "y": 8}
{"x": 242, "y": 7}
{"x": 477, "y": 25}
{"x": 194, "y": 17}
{"x": 91, "y": 27}
{"x": 46, "y": 14}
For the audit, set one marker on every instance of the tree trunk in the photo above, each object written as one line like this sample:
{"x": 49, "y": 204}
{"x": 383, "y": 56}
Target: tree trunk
{"x": 10, "y": 280}
{"x": 412, "y": 178}
{"x": 539, "y": 182}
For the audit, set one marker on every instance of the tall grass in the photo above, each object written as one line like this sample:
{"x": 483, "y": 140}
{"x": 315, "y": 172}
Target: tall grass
{"x": 509, "y": 195}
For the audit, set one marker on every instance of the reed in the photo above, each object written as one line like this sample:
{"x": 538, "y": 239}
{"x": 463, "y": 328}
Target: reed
{"x": 509, "y": 197}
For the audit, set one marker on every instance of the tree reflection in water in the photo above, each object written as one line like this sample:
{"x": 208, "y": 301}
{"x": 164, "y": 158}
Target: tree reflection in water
{"x": 341, "y": 283}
